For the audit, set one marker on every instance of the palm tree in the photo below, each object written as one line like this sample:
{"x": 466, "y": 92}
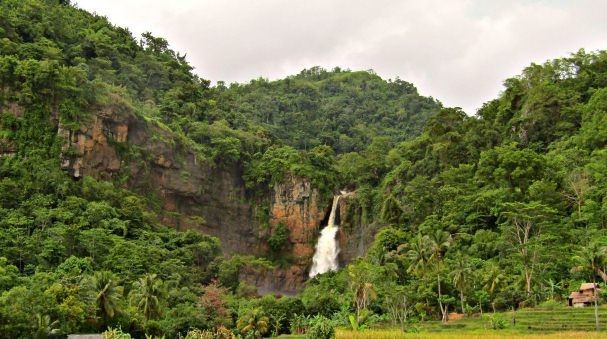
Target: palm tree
{"x": 460, "y": 273}
{"x": 361, "y": 285}
{"x": 107, "y": 294}
{"x": 493, "y": 279}
{"x": 439, "y": 242}
{"x": 591, "y": 257}
{"x": 554, "y": 286}
{"x": 255, "y": 322}
{"x": 419, "y": 255}
{"x": 147, "y": 294}
{"x": 44, "y": 327}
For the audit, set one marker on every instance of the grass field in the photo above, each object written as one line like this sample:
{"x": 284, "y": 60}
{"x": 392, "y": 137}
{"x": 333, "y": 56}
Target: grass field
{"x": 532, "y": 320}
{"x": 558, "y": 322}
{"x": 486, "y": 334}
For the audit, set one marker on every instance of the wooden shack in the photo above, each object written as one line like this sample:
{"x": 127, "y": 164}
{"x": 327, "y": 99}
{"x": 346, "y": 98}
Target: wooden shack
{"x": 585, "y": 296}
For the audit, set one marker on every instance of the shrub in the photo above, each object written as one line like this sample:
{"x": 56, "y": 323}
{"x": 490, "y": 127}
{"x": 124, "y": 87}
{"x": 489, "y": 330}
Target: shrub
{"x": 497, "y": 322}
{"x": 115, "y": 333}
{"x": 221, "y": 333}
{"x": 321, "y": 328}
{"x": 278, "y": 239}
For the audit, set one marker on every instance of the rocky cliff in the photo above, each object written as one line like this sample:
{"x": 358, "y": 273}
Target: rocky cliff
{"x": 355, "y": 236}
{"x": 149, "y": 159}
{"x": 194, "y": 192}
{"x": 301, "y": 208}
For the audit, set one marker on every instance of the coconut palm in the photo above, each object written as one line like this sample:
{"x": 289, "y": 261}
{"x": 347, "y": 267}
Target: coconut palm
{"x": 147, "y": 294}
{"x": 107, "y": 294}
{"x": 439, "y": 242}
{"x": 44, "y": 327}
{"x": 591, "y": 258}
{"x": 493, "y": 278}
{"x": 461, "y": 273}
{"x": 254, "y": 322}
{"x": 419, "y": 255}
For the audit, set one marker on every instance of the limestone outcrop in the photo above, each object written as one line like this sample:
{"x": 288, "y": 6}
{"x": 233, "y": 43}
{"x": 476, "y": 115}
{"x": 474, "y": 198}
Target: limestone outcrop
{"x": 196, "y": 193}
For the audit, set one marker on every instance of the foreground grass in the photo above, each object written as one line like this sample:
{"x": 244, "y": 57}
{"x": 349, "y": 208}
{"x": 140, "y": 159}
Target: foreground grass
{"x": 541, "y": 322}
{"x": 555, "y": 322}
{"x": 488, "y": 334}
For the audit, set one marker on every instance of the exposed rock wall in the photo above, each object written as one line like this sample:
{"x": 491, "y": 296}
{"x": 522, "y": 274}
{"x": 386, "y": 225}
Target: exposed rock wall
{"x": 301, "y": 208}
{"x": 354, "y": 235}
{"x": 88, "y": 151}
{"x": 198, "y": 194}
{"x": 194, "y": 192}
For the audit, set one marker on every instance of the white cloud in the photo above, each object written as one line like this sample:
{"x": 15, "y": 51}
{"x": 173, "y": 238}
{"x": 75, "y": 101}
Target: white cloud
{"x": 458, "y": 51}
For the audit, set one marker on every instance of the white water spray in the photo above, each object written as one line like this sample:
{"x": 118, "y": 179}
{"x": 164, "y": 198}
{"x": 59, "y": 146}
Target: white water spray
{"x": 327, "y": 249}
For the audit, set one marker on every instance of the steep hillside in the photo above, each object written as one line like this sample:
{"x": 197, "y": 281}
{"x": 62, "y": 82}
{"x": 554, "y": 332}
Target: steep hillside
{"x": 124, "y": 177}
{"x": 502, "y": 210}
{"x": 133, "y": 113}
{"x": 342, "y": 109}
{"x": 108, "y": 144}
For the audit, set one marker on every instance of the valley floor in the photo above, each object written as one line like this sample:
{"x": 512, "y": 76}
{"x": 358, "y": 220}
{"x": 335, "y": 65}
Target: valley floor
{"x": 542, "y": 322}
{"x": 489, "y": 334}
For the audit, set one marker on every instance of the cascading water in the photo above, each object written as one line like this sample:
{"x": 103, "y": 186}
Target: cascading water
{"x": 327, "y": 249}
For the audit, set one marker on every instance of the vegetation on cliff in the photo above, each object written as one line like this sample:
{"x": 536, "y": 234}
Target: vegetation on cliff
{"x": 503, "y": 209}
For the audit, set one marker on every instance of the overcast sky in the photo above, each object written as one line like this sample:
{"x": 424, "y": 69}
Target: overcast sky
{"x": 458, "y": 51}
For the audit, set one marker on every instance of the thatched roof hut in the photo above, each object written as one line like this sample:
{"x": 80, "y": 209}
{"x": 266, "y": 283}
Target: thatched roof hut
{"x": 586, "y": 295}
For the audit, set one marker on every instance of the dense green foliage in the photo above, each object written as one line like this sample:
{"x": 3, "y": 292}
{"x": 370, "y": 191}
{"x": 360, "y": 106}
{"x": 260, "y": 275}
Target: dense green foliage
{"x": 342, "y": 109}
{"x": 504, "y": 209}
{"x": 500, "y": 210}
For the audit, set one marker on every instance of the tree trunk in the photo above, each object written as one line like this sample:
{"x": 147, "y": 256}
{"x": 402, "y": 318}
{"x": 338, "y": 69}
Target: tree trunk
{"x": 596, "y": 305}
{"x": 404, "y": 320}
{"x": 528, "y": 281}
{"x": 596, "y": 312}
{"x": 461, "y": 299}
{"x": 440, "y": 303}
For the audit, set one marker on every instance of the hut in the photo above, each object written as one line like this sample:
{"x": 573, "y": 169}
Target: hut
{"x": 585, "y": 296}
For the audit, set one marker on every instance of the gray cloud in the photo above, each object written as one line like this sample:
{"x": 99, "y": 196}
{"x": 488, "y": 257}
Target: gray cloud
{"x": 458, "y": 51}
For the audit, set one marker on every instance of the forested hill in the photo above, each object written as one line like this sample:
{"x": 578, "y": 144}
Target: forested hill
{"x": 82, "y": 255}
{"x": 503, "y": 209}
{"x": 342, "y": 109}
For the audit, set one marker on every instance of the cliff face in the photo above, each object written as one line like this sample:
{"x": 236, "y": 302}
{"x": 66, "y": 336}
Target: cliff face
{"x": 193, "y": 192}
{"x": 196, "y": 193}
{"x": 300, "y": 207}
{"x": 354, "y": 235}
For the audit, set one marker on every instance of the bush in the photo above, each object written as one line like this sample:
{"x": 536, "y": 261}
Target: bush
{"x": 321, "y": 328}
{"x": 551, "y": 304}
{"x": 221, "y": 333}
{"x": 115, "y": 333}
{"x": 279, "y": 239}
{"x": 497, "y": 322}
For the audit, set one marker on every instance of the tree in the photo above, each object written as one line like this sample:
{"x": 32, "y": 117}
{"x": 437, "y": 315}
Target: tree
{"x": 148, "y": 294}
{"x": 591, "y": 258}
{"x": 523, "y": 226}
{"x": 439, "y": 242}
{"x": 419, "y": 255}
{"x": 107, "y": 294}
{"x": 398, "y": 300}
{"x": 362, "y": 286}
{"x": 577, "y": 187}
{"x": 213, "y": 302}
{"x": 461, "y": 271}
{"x": 493, "y": 279}
{"x": 254, "y": 322}
{"x": 44, "y": 328}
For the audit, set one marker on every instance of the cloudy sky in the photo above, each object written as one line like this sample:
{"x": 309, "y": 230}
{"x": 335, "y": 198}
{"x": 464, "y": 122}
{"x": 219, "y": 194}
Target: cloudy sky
{"x": 458, "y": 51}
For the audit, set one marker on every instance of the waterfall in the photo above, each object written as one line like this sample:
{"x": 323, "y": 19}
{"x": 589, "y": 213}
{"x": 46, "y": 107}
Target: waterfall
{"x": 327, "y": 249}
